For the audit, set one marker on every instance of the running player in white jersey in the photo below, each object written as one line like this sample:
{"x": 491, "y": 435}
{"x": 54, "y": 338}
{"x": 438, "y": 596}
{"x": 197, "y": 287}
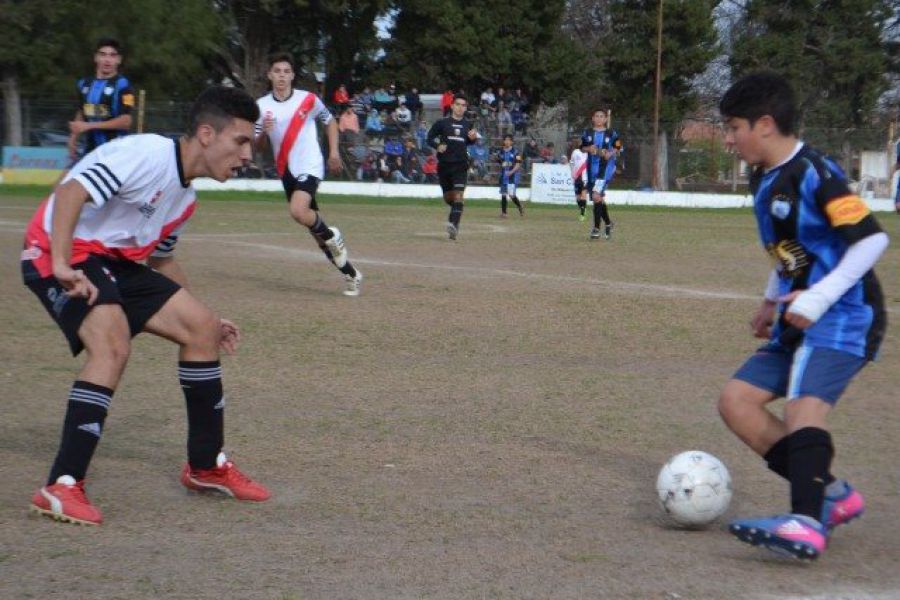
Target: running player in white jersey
{"x": 288, "y": 122}
{"x": 98, "y": 253}
{"x": 578, "y": 164}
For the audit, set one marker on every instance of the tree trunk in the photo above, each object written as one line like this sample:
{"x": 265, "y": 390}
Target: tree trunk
{"x": 12, "y": 110}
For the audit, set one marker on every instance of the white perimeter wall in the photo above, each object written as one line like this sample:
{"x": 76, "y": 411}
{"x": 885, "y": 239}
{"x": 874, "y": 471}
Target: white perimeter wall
{"x": 398, "y": 190}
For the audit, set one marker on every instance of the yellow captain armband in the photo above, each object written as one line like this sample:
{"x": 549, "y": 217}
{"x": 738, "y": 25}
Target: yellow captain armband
{"x": 846, "y": 210}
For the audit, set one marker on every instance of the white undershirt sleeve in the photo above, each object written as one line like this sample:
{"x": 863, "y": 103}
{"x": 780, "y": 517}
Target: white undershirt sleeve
{"x": 857, "y": 261}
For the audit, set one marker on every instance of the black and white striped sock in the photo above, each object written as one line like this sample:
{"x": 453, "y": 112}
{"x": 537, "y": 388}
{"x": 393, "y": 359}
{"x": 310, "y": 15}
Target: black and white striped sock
{"x": 82, "y": 427}
{"x": 201, "y": 383}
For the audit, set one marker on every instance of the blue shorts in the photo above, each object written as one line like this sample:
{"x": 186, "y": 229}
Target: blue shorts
{"x": 821, "y": 372}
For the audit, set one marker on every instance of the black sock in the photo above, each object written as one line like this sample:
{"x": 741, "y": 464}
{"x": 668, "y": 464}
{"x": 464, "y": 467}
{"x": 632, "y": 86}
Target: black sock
{"x": 85, "y": 415}
{"x": 582, "y": 205}
{"x": 604, "y": 213}
{"x": 456, "y": 210}
{"x": 201, "y": 383}
{"x": 518, "y": 204}
{"x": 809, "y": 460}
{"x": 777, "y": 460}
{"x": 777, "y": 457}
{"x": 348, "y": 269}
{"x": 320, "y": 229}
{"x": 598, "y": 215}
{"x": 503, "y": 204}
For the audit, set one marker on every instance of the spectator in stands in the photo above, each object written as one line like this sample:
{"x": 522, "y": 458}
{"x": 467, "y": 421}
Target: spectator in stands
{"x": 403, "y": 116}
{"x": 478, "y": 155}
{"x": 374, "y": 124}
{"x": 519, "y": 120}
{"x": 520, "y": 99}
{"x": 412, "y": 166}
{"x": 365, "y": 98}
{"x": 348, "y": 122}
{"x": 382, "y": 100}
{"x": 414, "y": 103}
{"x": 367, "y": 170}
{"x": 548, "y": 153}
{"x": 430, "y": 167}
{"x": 504, "y": 121}
{"x": 488, "y": 101}
{"x": 384, "y": 169}
{"x": 422, "y": 135}
{"x": 396, "y": 166}
{"x": 341, "y": 97}
{"x": 393, "y": 147}
{"x": 531, "y": 154}
{"x": 447, "y": 101}
{"x": 504, "y": 97}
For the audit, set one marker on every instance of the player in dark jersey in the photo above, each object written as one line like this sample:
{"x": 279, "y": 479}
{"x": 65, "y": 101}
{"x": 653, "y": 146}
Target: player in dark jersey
{"x": 450, "y": 136}
{"x": 510, "y": 171}
{"x": 601, "y": 167}
{"x": 105, "y": 101}
{"x": 823, "y": 314}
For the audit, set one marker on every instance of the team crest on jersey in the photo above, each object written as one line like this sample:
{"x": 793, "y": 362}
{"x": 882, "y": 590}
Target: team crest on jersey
{"x": 84, "y": 90}
{"x": 148, "y": 208}
{"x": 108, "y": 90}
{"x": 781, "y": 207}
{"x": 109, "y": 274}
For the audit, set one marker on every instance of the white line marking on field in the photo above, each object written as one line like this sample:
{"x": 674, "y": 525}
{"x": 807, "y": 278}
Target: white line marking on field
{"x": 614, "y": 285}
{"x": 474, "y": 228}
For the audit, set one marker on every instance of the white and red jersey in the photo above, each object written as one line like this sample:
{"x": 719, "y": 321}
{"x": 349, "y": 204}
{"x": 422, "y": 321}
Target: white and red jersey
{"x": 138, "y": 200}
{"x": 295, "y": 142}
{"x": 578, "y": 164}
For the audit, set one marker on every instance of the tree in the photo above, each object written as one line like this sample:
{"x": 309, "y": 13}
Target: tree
{"x": 833, "y": 52}
{"x": 463, "y": 45}
{"x": 622, "y": 34}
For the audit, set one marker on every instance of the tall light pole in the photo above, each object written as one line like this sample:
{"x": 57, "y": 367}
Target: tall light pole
{"x": 659, "y": 29}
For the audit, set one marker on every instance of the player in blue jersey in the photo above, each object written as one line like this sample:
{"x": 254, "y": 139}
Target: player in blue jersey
{"x": 510, "y": 171}
{"x": 105, "y": 101}
{"x": 601, "y": 167}
{"x": 823, "y": 314}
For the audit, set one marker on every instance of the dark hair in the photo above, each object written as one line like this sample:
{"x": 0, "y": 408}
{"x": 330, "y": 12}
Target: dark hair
{"x": 759, "y": 94}
{"x": 507, "y": 136}
{"x": 281, "y": 57}
{"x": 603, "y": 109}
{"x": 460, "y": 97}
{"x": 219, "y": 106}
{"x": 108, "y": 41}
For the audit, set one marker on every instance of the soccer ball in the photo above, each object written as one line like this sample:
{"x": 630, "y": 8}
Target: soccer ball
{"x": 694, "y": 488}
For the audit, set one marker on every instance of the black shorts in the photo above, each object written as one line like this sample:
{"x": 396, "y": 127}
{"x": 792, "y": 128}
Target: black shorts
{"x": 140, "y": 291}
{"x": 579, "y": 186}
{"x": 304, "y": 183}
{"x": 453, "y": 176}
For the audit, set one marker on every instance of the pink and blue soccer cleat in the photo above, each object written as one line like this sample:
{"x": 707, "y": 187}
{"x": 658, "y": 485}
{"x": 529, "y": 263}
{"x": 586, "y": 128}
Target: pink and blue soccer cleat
{"x": 798, "y": 536}
{"x": 843, "y": 507}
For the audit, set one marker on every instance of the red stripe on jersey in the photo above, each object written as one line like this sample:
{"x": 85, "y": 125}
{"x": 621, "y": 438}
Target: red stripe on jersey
{"x": 580, "y": 170}
{"x": 37, "y": 241}
{"x": 290, "y": 136}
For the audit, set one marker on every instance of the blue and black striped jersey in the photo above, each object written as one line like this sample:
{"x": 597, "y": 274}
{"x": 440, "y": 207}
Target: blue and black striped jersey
{"x": 807, "y": 218}
{"x": 102, "y": 100}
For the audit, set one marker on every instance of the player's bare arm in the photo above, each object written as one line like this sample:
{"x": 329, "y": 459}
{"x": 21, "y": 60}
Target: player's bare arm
{"x": 334, "y": 158}
{"x": 70, "y": 199}
{"x": 78, "y": 127}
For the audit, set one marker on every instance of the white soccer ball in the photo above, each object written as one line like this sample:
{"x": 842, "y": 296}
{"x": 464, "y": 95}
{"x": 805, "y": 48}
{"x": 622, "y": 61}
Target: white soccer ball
{"x": 694, "y": 488}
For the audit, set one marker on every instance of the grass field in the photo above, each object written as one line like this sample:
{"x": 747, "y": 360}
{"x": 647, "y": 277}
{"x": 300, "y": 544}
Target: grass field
{"x": 485, "y": 421}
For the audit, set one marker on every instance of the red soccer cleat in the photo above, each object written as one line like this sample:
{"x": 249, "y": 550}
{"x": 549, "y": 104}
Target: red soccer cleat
{"x": 65, "y": 501}
{"x": 224, "y": 478}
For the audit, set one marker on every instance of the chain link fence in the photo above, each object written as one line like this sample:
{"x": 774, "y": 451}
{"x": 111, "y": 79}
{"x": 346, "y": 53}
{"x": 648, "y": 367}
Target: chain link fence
{"x": 692, "y": 154}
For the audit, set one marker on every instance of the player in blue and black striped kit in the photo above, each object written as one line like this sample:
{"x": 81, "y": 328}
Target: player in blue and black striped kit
{"x": 510, "y": 171}
{"x": 105, "y": 101}
{"x": 601, "y": 167}
{"x": 823, "y": 315}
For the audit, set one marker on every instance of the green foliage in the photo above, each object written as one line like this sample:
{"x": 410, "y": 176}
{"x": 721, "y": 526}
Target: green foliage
{"x": 623, "y": 36}
{"x": 167, "y": 43}
{"x": 464, "y": 45}
{"x": 831, "y": 50}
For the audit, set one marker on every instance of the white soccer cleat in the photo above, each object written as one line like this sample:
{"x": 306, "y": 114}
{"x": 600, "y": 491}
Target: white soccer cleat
{"x": 353, "y": 284}
{"x": 452, "y": 231}
{"x": 337, "y": 248}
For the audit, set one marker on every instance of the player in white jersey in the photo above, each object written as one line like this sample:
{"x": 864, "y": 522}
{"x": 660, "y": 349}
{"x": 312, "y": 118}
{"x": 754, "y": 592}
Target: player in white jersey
{"x": 578, "y": 164}
{"x": 288, "y": 122}
{"x": 84, "y": 252}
